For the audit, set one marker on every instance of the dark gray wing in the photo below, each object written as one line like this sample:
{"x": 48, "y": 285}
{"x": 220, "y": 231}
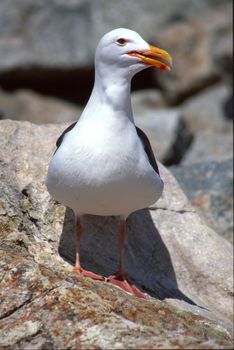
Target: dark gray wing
{"x": 148, "y": 149}
{"x": 60, "y": 139}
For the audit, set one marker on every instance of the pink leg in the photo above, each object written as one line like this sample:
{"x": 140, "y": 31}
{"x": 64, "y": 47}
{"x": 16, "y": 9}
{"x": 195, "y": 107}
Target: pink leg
{"x": 120, "y": 279}
{"x": 77, "y": 268}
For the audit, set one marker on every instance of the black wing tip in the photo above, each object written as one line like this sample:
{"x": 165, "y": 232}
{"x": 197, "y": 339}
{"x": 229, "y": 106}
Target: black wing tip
{"x": 148, "y": 149}
{"x": 61, "y": 137}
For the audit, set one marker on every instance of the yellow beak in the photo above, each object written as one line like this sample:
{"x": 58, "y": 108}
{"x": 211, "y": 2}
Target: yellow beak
{"x": 154, "y": 57}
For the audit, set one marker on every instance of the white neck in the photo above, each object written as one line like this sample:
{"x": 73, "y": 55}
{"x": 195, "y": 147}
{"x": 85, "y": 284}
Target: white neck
{"x": 114, "y": 90}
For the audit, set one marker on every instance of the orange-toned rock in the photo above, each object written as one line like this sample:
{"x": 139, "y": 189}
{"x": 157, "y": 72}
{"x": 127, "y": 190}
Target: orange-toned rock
{"x": 185, "y": 266}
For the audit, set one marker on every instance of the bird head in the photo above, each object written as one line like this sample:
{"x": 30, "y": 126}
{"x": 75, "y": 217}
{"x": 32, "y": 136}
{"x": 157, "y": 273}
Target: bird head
{"x": 124, "y": 48}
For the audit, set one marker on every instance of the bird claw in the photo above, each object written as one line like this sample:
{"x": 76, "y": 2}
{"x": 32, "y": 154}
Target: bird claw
{"x": 123, "y": 283}
{"x": 83, "y": 272}
{"x": 118, "y": 280}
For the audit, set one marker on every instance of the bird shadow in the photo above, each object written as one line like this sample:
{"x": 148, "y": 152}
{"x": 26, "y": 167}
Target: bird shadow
{"x": 147, "y": 259}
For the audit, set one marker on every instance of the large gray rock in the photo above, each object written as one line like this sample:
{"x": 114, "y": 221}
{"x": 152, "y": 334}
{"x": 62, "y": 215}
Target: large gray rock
{"x": 209, "y": 186}
{"x": 170, "y": 254}
{"x": 208, "y": 146}
{"x": 35, "y": 147}
{"x": 206, "y": 110}
{"x": 64, "y": 34}
{"x": 191, "y": 45}
{"x": 44, "y": 306}
{"x": 27, "y": 105}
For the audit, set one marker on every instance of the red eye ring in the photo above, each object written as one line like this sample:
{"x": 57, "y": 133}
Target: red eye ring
{"x": 121, "y": 41}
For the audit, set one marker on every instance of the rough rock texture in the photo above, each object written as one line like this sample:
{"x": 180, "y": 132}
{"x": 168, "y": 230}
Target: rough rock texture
{"x": 35, "y": 147}
{"x": 50, "y": 34}
{"x": 209, "y": 186}
{"x": 184, "y": 267}
{"x": 170, "y": 254}
{"x": 27, "y": 105}
{"x": 43, "y": 305}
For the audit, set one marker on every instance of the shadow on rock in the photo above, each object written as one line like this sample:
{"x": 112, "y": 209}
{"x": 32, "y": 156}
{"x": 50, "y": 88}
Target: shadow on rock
{"x": 228, "y": 107}
{"x": 147, "y": 259}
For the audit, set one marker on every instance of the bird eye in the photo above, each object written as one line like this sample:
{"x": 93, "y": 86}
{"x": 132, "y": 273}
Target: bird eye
{"x": 121, "y": 41}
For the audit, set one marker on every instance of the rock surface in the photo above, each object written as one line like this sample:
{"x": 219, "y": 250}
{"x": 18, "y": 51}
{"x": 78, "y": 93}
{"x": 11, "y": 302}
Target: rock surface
{"x": 51, "y": 34}
{"x": 208, "y": 146}
{"x": 185, "y": 266}
{"x": 209, "y": 186}
{"x": 28, "y": 105}
{"x": 206, "y": 110}
{"x": 191, "y": 45}
{"x": 35, "y": 147}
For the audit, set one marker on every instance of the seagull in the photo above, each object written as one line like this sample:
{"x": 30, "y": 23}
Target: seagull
{"x": 104, "y": 164}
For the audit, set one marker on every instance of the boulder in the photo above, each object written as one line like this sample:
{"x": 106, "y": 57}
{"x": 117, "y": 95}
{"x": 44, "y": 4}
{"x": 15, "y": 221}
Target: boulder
{"x": 208, "y": 145}
{"x": 206, "y": 110}
{"x": 184, "y": 267}
{"x": 36, "y": 144}
{"x": 28, "y": 105}
{"x": 191, "y": 45}
{"x": 209, "y": 187}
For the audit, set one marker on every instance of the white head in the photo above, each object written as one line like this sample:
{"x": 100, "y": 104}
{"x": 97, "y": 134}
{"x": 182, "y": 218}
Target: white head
{"x": 124, "y": 52}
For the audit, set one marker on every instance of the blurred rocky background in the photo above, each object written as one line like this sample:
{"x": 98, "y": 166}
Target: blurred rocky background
{"x": 46, "y": 76}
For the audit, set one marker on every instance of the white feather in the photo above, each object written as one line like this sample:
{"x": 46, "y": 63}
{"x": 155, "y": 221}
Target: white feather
{"x": 101, "y": 167}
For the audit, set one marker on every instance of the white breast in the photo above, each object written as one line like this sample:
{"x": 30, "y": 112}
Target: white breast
{"x": 102, "y": 169}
